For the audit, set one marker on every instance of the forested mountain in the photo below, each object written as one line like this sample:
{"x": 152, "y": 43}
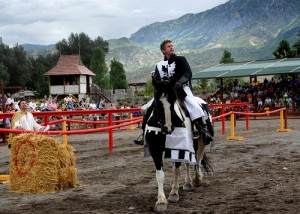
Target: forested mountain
{"x": 29, "y": 47}
{"x": 249, "y": 29}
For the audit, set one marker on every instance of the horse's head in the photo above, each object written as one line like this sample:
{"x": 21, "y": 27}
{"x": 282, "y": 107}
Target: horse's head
{"x": 166, "y": 116}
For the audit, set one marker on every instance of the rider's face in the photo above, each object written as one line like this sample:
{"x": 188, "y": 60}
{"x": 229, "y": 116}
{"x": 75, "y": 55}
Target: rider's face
{"x": 169, "y": 49}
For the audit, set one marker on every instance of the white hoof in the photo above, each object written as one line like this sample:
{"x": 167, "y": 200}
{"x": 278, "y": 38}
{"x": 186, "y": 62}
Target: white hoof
{"x": 173, "y": 198}
{"x": 188, "y": 187}
{"x": 160, "y": 208}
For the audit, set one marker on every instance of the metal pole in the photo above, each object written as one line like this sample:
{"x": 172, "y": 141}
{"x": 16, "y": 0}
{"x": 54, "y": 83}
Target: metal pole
{"x": 64, "y": 128}
{"x": 3, "y": 110}
{"x": 247, "y": 116}
{"x": 223, "y": 120}
{"x": 110, "y": 133}
{"x": 285, "y": 118}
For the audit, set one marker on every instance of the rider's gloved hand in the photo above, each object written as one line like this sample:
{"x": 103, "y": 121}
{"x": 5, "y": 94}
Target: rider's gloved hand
{"x": 178, "y": 85}
{"x": 165, "y": 83}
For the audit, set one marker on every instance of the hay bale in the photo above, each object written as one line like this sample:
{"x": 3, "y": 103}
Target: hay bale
{"x": 40, "y": 164}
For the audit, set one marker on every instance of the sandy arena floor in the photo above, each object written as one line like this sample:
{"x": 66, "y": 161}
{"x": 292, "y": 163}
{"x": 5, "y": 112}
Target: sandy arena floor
{"x": 258, "y": 175}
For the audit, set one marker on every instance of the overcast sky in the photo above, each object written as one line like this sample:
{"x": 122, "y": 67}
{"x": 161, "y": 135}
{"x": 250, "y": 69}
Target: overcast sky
{"x": 49, "y": 21}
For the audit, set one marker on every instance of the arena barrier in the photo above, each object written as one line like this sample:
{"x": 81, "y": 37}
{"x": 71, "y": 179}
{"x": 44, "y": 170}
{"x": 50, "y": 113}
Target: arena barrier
{"x": 110, "y": 124}
{"x": 223, "y": 107}
{"x": 282, "y": 128}
{"x": 4, "y": 179}
{"x": 117, "y": 124}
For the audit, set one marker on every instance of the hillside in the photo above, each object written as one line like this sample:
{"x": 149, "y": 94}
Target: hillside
{"x": 249, "y": 29}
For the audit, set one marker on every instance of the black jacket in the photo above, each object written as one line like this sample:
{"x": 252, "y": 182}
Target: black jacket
{"x": 178, "y": 71}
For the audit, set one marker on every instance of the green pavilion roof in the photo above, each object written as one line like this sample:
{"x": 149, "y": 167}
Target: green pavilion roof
{"x": 250, "y": 69}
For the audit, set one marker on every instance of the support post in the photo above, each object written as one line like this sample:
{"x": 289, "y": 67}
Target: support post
{"x": 110, "y": 133}
{"x": 223, "y": 120}
{"x": 232, "y": 125}
{"x": 131, "y": 127}
{"x": 283, "y": 123}
{"x": 64, "y": 128}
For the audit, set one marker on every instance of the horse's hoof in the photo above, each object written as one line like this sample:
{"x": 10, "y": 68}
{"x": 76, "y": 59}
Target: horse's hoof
{"x": 160, "y": 208}
{"x": 213, "y": 149}
{"x": 196, "y": 183}
{"x": 173, "y": 198}
{"x": 188, "y": 187}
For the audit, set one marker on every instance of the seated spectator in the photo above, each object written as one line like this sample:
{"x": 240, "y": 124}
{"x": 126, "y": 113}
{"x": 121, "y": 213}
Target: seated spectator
{"x": 9, "y": 100}
{"x": 260, "y": 104}
{"x": 16, "y": 107}
{"x": 297, "y": 101}
{"x": 92, "y": 105}
{"x": 281, "y": 102}
{"x": 268, "y": 102}
{"x": 53, "y": 106}
{"x": 70, "y": 106}
{"x": 44, "y": 105}
{"x": 244, "y": 98}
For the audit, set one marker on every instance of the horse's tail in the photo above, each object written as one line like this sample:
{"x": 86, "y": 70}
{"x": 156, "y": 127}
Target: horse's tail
{"x": 207, "y": 164}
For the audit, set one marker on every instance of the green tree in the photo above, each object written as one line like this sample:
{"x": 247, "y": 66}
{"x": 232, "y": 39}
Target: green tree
{"x": 148, "y": 88}
{"x": 4, "y": 75}
{"x": 105, "y": 82}
{"x": 4, "y": 53}
{"x": 226, "y": 57}
{"x": 39, "y": 66}
{"x": 81, "y": 44}
{"x": 18, "y": 67}
{"x": 117, "y": 75}
{"x": 204, "y": 83}
{"x": 99, "y": 67}
{"x": 283, "y": 50}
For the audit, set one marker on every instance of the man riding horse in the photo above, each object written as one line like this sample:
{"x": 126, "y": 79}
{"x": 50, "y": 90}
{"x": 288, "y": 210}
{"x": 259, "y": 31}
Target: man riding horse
{"x": 172, "y": 76}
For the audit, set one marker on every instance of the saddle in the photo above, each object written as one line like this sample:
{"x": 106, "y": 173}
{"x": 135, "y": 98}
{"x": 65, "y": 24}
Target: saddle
{"x": 183, "y": 107}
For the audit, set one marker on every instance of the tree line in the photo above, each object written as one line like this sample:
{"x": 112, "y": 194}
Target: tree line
{"x": 18, "y": 68}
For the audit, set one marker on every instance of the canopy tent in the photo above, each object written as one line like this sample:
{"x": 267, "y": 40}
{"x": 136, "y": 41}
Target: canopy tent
{"x": 250, "y": 69}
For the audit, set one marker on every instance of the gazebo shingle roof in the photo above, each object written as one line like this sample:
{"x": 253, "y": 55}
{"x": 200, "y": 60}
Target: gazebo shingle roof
{"x": 69, "y": 65}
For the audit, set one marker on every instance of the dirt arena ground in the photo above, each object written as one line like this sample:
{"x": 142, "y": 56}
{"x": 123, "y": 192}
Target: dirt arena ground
{"x": 258, "y": 175}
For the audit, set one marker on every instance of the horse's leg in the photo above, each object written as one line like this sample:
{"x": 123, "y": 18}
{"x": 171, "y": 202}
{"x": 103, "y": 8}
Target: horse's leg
{"x": 161, "y": 203}
{"x": 168, "y": 122}
{"x": 188, "y": 185}
{"x": 199, "y": 156}
{"x": 156, "y": 146}
{"x": 174, "y": 195}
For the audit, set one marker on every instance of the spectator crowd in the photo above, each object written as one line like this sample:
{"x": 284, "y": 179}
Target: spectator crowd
{"x": 50, "y": 103}
{"x": 283, "y": 91}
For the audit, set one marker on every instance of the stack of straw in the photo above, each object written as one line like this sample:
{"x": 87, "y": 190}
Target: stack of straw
{"x": 40, "y": 164}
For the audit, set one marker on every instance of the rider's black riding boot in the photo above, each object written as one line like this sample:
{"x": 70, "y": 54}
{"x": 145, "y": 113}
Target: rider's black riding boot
{"x": 140, "y": 139}
{"x": 203, "y": 130}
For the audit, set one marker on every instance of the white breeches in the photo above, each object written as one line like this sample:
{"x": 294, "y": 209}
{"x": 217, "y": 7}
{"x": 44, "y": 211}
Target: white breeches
{"x": 191, "y": 104}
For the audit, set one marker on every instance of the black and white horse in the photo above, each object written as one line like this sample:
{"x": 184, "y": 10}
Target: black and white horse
{"x": 178, "y": 147}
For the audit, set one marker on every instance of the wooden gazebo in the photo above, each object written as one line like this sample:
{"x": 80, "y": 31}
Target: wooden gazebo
{"x": 70, "y": 76}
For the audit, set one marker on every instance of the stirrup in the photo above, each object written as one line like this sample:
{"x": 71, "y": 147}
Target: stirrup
{"x": 139, "y": 140}
{"x": 207, "y": 138}
{"x": 195, "y": 135}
